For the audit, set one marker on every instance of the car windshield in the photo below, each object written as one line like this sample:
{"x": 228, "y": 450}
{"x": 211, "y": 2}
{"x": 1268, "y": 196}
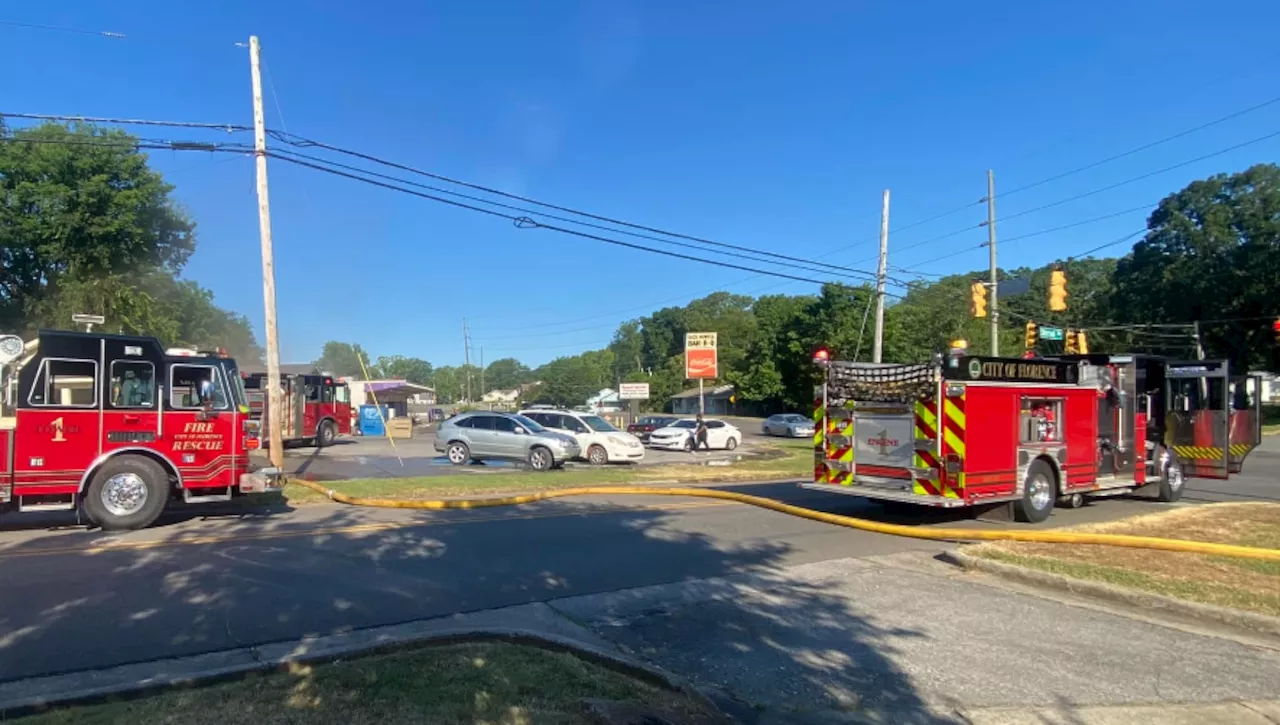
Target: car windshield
{"x": 686, "y": 423}
{"x": 795, "y": 418}
{"x": 528, "y": 424}
{"x": 598, "y": 424}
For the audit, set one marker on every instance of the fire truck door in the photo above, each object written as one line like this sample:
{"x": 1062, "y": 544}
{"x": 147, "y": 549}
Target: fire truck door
{"x": 1198, "y": 416}
{"x": 1244, "y": 430}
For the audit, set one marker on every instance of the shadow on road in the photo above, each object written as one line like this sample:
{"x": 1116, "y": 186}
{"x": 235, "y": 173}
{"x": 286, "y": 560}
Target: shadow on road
{"x": 81, "y": 600}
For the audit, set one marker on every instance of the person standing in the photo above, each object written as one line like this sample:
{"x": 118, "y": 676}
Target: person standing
{"x": 700, "y": 435}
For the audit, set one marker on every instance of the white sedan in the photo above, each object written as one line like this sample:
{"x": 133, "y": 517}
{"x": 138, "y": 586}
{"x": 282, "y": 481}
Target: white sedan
{"x": 679, "y": 435}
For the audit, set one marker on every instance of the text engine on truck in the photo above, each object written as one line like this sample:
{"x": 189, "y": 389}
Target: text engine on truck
{"x": 117, "y": 426}
{"x": 967, "y": 430}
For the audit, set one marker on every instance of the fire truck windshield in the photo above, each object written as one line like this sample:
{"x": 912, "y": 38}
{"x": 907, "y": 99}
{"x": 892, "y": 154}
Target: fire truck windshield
{"x": 237, "y": 385}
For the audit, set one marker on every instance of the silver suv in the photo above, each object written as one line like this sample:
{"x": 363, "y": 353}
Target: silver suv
{"x": 478, "y": 436}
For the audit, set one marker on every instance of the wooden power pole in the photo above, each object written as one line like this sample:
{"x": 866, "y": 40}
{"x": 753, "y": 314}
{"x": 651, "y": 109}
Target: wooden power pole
{"x": 877, "y": 350}
{"x": 994, "y": 308}
{"x": 275, "y": 399}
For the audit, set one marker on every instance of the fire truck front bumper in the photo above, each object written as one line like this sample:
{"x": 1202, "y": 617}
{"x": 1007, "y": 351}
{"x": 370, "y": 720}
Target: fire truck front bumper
{"x": 263, "y": 480}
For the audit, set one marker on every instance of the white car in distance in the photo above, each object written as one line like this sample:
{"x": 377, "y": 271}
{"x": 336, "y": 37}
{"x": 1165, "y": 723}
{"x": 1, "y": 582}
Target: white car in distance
{"x": 679, "y": 435}
{"x": 601, "y": 442}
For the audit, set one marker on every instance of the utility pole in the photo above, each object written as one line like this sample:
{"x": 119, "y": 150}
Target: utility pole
{"x": 483, "y": 390}
{"x": 466, "y": 355}
{"x": 275, "y": 401}
{"x": 993, "y": 308}
{"x": 877, "y": 349}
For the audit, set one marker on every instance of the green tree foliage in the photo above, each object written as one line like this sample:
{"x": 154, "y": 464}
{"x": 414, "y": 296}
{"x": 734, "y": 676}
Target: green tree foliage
{"x": 1212, "y": 252}
{"x": 343, "y": 359}
{"x": 86, "y": 226}
{"x": 398, "y": 367}
{"x": 505, "y": 374}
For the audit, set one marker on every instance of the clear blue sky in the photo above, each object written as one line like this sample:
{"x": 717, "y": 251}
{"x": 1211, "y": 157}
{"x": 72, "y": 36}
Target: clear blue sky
{"x": 773, "y": 125}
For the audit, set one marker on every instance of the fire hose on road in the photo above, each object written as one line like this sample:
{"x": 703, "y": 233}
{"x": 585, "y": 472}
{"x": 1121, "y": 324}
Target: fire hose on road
{"x": 937, "y": 534}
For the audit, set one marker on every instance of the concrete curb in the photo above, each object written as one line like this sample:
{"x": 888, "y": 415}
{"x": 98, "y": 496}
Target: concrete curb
{"x": 123, "y": 682}
{"x": 1260, "y": 623}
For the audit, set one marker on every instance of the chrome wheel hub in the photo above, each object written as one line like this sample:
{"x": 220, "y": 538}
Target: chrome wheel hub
{"x": 124, "y": 494}
{"x": 1040, "y": 492}
{"x": 455, "y": 454}
{"x": 1174, "y": 473}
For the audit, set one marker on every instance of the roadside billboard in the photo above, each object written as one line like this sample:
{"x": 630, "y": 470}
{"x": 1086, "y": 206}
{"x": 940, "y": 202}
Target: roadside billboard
{"x": 700, "y": 359}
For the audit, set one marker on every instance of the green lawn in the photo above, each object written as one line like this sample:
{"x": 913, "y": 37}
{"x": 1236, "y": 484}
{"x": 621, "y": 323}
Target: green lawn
{"x": 456, "y": 684}
{"x": 787, "y": 459}
{"x": 1222, "y": 581}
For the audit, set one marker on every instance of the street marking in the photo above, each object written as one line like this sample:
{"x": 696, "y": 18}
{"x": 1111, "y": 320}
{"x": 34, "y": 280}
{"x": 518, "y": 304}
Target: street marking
{"x": 236, "y": 537}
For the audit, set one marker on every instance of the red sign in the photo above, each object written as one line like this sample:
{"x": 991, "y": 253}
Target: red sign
{"x": 700, "y": 362}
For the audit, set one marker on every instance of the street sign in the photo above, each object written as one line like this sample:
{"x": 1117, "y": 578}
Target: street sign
{"x": 633, "y": 391}
{"x": 700, "y": 359}
{"x": 1013, "y": 287}
{"x": 1050, "y": 333}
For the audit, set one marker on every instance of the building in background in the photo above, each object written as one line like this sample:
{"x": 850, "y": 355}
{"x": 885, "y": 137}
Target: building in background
{"x": 718, "y": 401}
{"x": 398, "y": 395}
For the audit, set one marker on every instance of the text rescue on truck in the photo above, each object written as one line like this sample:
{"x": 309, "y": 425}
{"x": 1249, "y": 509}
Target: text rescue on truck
{"x": 967, "y": 430}
{"x": 116, "y": 426}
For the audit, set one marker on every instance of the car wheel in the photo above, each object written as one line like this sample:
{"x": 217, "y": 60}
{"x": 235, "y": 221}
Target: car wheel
{"x": 731, "y": 444}
{"x": 540, "y": 459}
{"x": 458, "y": 453}
{"x": 326, "y": 435}
{"x": 1172, "y": 479}
{"x": 597, "y": 455}
{"x": 1038, "y": 494}
{"x": 128, "y": 492}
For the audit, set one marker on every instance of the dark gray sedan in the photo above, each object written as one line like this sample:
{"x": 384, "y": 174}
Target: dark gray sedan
{"x": 790, "y": 425}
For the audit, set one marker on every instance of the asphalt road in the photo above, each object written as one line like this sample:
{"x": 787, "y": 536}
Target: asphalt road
{"x": 75, "y": 599}
{"x": 362, "y": 457}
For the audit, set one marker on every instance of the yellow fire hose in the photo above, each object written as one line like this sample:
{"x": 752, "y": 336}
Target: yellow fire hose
{"x": 1042, "y": 537}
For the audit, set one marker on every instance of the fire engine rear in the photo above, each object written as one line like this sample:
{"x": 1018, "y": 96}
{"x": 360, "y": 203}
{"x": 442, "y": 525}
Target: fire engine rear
{"x": 968, "y": 430}
{"x": 317, "y": 408}
{"x": 117, "y": 426}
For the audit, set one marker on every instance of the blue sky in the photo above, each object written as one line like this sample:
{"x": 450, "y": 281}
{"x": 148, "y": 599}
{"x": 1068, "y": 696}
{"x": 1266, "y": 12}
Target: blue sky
{"x": 765, "y": 124}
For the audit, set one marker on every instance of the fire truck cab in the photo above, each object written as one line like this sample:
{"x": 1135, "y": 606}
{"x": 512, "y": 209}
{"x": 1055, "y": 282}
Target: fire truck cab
{"x": 968, "y": 430}
{"x": 317, "y": 407}
{"x": 116, "y": 426}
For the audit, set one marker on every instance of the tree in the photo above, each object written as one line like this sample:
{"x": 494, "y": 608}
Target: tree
{"x": 398, "y": 367}
{"x": 343, "y": 359}
{"x": 505, "y": 374}
{"x": 1212, "y": 252}
{"x": 448, "y": 384}
{"x": 79, "y": 204}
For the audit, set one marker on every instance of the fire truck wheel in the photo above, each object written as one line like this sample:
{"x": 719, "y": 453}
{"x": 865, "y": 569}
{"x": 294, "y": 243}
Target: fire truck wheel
{"x": 1038, "y": 494}
{"x": 458, "y": 453}
{"x": 1172, "y": 480}
{"x": 597, "y": 455}
{"x": 128, "y": 492}
{"x": 326, "y": 434}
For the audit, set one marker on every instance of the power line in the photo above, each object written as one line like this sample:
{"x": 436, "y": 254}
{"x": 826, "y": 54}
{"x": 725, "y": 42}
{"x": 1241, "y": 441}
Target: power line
{"x": 1143, "y": 147}
{"x": 527, "y": 223}
{"x": 806, "y": 263}
{"x": 64, "y": 29}
{"x": 229, "y": 127}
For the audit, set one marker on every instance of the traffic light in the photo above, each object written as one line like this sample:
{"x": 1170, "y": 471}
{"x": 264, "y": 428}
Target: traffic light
{"x": 1082, "y": 343}
{"x": 978, "y": 299}
{"x": 1033, "y": 335}
{"x": 1069, "y": 341}
{"x": 1057, "y": 290}
{"x": 1275, "y": 329}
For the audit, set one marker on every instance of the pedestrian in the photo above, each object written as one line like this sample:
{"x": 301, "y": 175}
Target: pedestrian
{"x": 700, "y": 435}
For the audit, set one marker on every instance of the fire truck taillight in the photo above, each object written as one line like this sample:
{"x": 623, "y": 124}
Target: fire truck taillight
{"x": 953, "y": 462}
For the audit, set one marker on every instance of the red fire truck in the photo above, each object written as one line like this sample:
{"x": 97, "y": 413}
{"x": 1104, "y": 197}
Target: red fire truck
{"x": 116, "y": 426}
{"x": 967, "y": 430}
{"x": 317, "y": 407}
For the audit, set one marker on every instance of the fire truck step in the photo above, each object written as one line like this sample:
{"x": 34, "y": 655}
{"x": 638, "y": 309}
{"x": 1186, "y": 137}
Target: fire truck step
{"x": 199, "y": 495}
{"x": 63, "y": 502}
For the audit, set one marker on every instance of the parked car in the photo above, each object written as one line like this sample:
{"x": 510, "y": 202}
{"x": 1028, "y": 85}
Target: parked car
{"x": 648, "y": 424}
{"x": 480, "y": 436}
{"x": 599, "y": 441}
{"x": 791, "y": 425}
{"x": 678, "y": 436}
